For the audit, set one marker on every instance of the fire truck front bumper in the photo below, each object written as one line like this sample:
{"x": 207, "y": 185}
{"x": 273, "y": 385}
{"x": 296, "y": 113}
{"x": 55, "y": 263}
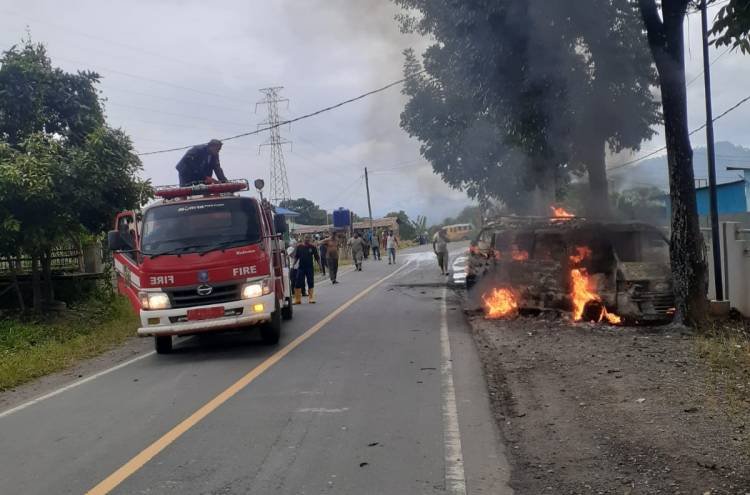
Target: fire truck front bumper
{"x": 211, "y": 318}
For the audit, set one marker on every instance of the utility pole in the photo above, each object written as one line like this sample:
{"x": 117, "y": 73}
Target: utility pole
{"x": 369, "y": 206}
{"x": 279, "y": 190}
{"x": 714, "y": 210}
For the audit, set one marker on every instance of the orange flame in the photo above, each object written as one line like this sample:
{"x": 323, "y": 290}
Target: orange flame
{"x": 561, "y": 213}
{"x": 582, "y": 291}
{"x": 499, "y": 303}
{"x": 519, "y": 254}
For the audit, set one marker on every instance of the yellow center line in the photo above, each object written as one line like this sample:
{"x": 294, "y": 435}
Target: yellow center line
{"x": 115, "y": 479}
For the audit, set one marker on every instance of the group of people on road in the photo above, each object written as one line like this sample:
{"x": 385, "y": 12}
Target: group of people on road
{"x": 304, "y": 255}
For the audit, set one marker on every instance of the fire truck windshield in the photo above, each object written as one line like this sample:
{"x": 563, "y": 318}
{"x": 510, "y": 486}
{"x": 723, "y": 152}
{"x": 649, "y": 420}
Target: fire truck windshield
{"x": 200, "y": 226}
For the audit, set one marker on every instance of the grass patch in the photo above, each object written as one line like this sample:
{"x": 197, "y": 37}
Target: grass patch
{"x": 30, "y": 349}
{"x": 725, "y": 348}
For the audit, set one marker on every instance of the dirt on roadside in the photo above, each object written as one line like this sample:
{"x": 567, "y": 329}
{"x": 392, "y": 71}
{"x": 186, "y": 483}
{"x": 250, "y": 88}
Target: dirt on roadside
{"x": 606, "y": 410}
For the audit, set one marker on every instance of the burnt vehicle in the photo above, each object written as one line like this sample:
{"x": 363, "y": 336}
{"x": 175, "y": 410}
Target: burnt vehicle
{"x": 573, "y": 264}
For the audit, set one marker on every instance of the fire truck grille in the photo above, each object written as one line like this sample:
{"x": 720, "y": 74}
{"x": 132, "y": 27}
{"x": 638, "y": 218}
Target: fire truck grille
{"x": 184, "y": 298}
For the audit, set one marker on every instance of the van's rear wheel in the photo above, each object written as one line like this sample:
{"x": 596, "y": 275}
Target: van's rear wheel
{"x": 163, "y": 344}
{"x": 271, "y": 332}
{"x": 287, "y": 311}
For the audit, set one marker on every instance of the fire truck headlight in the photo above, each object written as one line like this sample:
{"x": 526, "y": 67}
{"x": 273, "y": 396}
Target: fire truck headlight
{"x": 154, "y": 300}
{"x": 256, "y": 289}
{"x": 250, "y": 291}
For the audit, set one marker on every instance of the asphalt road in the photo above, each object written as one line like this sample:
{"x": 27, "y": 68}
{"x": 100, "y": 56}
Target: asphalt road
{"x": 377, "y": 389}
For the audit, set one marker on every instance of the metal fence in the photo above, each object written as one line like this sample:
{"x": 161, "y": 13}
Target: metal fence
{"x": 64, "y": 259}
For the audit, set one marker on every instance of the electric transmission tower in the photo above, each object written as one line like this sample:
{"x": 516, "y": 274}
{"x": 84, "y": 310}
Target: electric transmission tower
{"x": 279, "y": 190}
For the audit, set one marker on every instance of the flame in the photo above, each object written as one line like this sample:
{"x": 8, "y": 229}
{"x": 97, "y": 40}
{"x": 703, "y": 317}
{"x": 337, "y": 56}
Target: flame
{"x": 561, "y": 213}
{"x": 582, "y": 290}
{"x": 519, "y": 254}
{"x": 583, "y": 253}
{"x": 499, "y": 303}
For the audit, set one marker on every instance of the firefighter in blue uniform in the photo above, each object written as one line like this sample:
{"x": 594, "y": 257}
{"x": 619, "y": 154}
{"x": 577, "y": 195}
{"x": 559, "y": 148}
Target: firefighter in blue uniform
{"x": 200, "y": 163}
{"x": 305, "y": 258}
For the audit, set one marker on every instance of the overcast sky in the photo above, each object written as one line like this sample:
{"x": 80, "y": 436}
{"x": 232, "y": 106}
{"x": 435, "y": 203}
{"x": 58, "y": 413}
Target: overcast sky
{"x": 182, "y": 72}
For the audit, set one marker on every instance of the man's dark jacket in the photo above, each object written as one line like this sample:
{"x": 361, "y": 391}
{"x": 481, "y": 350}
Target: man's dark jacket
{"x": 197, "y": 164}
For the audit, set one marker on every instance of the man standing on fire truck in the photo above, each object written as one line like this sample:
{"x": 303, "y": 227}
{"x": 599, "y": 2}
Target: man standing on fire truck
{"x": 305, "y": 256}
{"x": 200, "y": 163}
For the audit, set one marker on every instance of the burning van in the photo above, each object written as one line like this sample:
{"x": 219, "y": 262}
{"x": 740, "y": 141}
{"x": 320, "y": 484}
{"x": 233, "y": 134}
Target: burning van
{"x": 599, "y": 271}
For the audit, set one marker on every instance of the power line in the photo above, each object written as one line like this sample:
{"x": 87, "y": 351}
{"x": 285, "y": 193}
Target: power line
{"x": 652, "y": 153}
{"x": 155, "y": 81}
{"x": 181, "y": 115}
{"x": 710, "y": 65}
{"x": 297, "y": 119}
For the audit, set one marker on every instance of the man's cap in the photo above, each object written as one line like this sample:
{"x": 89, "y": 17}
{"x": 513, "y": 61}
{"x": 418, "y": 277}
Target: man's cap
{"x": 215, "y": 141}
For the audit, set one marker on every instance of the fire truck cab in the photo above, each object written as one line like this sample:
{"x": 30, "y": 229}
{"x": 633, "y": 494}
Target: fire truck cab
{"x": 203, "y": 259}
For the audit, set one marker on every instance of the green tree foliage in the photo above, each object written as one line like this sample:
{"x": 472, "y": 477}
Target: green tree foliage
{"x": 518, "y": 94}
{"x": 38, "y": 98}
{"x": 646, "y": 203}
{"x": 733, "y": 25}
{"x": 63, "y": 172}
{"x": 309, "y": 212}
{"x": 406, "y": 228}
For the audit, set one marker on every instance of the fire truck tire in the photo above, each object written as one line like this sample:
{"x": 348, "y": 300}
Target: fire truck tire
{"x": 271, "y": 332}
{"x": 288, "y": 310}
{"x": 163, "y": 344}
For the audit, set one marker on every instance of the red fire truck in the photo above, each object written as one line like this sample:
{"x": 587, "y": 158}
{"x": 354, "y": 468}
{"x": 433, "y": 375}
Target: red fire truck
{"x": 203, "y": 259}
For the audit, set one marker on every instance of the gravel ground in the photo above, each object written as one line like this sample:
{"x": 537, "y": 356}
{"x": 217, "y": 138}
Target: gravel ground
{"x": 597, "y": 409}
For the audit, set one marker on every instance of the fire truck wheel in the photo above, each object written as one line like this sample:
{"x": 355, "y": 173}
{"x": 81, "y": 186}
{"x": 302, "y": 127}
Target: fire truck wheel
{"x": 288, "y": 310}
{"x": 163, "y": 344}
{"x": 271, "y": 331}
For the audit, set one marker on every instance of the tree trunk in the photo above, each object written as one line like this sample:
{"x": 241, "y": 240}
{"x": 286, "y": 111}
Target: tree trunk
{"x": 689, "y": 271}
{"x": 598, "y": 203}
{"x": 14, "y": 265}
{"x": 36, "y": 288}
{"x": 49, "y": 290}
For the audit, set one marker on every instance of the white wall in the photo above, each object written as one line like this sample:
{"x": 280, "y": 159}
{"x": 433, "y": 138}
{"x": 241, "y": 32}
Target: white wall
{"x": 735, "y": 254}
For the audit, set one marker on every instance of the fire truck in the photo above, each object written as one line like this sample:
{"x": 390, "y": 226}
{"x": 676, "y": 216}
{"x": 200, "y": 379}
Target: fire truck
{"x": 202, "y": 259}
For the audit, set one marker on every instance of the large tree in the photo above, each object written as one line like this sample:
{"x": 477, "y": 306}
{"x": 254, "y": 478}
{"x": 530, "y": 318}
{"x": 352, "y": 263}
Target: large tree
{"x": 517, "y": 94}
{"x": 309, "y": 212}
{"x": 63, "y": 172}
{"x": 664, "y": 25}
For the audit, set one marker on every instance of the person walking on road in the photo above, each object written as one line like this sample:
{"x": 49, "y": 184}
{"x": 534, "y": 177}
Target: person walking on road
{"x": 332, "y": 258}
{"x": 323, "y": 249}
{"x": 200, "y": 163}
{"x": 440, "y": 246}
{"x": 305, "y": 257}
{"x": 358, "y": 250}
{"x": 375, "y": 241}
{"x": 391, "y": 243}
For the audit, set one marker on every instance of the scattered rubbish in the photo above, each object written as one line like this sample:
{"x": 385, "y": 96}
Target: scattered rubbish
{"x": 691, "y": 409}
{"x": 641, "y": 400}
{"x": 373, "y": 444}
{"x": 427, "y": 369}
{"x": 363, "y": 464}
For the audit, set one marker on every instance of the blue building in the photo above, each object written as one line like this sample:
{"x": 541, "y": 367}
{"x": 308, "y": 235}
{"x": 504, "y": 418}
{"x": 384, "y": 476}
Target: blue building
{"x": 732, "y": 197}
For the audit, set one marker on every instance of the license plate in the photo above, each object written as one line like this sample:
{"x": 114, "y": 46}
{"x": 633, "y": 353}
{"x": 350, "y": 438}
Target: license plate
{"x": 205, "y": 313}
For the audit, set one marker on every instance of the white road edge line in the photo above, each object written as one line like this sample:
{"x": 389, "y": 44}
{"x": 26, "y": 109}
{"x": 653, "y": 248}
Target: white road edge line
{"x": 455, "y": 479}
{"x": 74, "y": 384}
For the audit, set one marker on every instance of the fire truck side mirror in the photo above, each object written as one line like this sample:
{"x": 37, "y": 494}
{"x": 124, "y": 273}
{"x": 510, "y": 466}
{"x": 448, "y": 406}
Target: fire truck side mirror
{"x": 280, "y": 225}
{"x": 114, "y": 240}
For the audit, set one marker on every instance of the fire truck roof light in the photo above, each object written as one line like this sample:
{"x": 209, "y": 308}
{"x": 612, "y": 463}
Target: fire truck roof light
{"x": 171, "y": 192}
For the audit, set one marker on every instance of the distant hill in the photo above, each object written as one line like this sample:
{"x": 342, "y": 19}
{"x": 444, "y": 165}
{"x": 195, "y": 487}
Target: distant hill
{"x": 653, "y": 172}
